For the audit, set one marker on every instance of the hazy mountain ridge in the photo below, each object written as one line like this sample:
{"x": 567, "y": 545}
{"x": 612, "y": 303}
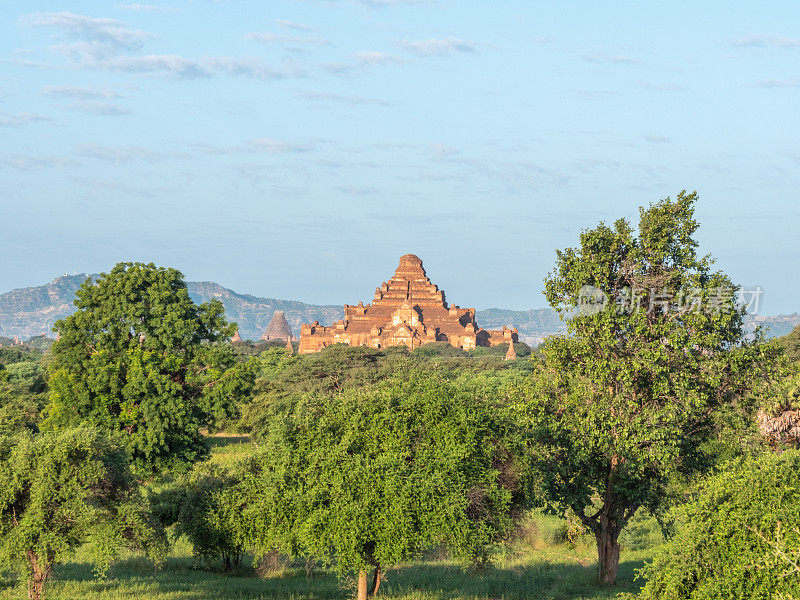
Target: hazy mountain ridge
{"x": 253, "y": 314}
{"x": 32, "y": 311}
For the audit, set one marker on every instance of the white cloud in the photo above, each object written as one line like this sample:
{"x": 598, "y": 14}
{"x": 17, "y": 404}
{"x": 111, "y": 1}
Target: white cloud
{"x": 146, "y": 8}
{"x": 656, "y": 139}
{"x": 20, "y": 119}
{"x": 292, "y": 25}
{"x": 171, "y": 64}
{"x": 392, "y": 2}
{"x": 104, "y": 109}
{"x": 78, "y": 92}
{"x": 440, "y": 47}
{"x": 616, "y": 59}
{"x": 24, "y": 162}
{"x": 338, "y": 98}
{"x": 778, "y": 83}
{"x": 374, "y": 57}
{"x": 766, "y": 41}
{"x": 287, "y": 40}
{"x": 103, "y": 36}
{"x": 443, "y": 151}
{"x": 271, "y": 146}
{"x": 377, "y": 3}
{"x": 661, "y": 87}
{"x": 119, "y": 154}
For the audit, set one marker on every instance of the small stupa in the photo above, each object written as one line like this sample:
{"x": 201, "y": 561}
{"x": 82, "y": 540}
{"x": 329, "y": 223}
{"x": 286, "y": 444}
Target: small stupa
{"x": 511, "y": 354}
{"x": 278, "y": 328}
{"x": 236, "y": 338}
{"x": 289, "y": 347}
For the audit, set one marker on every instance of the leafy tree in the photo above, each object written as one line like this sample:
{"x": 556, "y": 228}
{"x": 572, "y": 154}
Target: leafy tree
{"x": 739, "y": 539}
{"x": 60, "y": 491}
{"x": 779, "y": 411}
{"x": 791, "y": 344}
{"x": 17, "y": 354}
{"x": 624, "y": 402}
{"x": 140, "y": 358}
{"x": 193, "y": 505}
{"x": 19, "y": 408}
{"x": 27, "y": 374}
{"x": 371, "y": 477}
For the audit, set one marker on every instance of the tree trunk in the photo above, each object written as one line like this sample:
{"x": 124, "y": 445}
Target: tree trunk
{"x": 38, "y": 576}
{"x": 362, "y": 586}
{"x": 607, "y": 550}
{"x": 376, "y": 580}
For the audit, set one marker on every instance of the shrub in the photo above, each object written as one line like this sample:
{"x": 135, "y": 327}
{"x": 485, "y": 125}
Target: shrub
{"x": 194, "y": 506}
{"x": 737, "y": 539}
{"x": 61, "y": 491}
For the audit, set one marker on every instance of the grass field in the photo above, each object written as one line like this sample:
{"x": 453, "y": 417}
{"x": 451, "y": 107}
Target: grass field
{"x": 539, "y": 567}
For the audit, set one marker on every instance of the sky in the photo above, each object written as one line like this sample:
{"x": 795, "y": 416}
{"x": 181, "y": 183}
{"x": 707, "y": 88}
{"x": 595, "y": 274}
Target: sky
{"x": 297, "y": 148}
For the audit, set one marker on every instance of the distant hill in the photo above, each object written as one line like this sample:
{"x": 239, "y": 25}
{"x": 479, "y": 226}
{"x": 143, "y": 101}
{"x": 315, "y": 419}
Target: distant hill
{"x": 32, "y": 311}
{"x": 253, "y": 314}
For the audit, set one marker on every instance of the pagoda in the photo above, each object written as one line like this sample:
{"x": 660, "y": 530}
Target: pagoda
{"x": 407, "y": 310}
{"x": 278, "y": 328}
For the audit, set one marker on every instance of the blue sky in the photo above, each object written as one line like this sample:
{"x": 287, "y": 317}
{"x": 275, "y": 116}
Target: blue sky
{"x": 297, "y": 148}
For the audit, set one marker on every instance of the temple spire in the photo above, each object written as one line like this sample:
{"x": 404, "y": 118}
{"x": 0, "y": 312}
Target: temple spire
{"x": 511, "y": 354}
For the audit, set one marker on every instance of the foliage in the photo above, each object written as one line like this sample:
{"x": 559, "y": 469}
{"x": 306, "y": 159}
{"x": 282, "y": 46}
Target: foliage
{"x": 740, "y": 538}
{"x": 141, "y": 359}
{"x": 371, "y": 477}
{"x": 192, "y": 505}
{"x": 283, "y": 380}
{"x": 783, "y": 394}
{"x": 27, "y": 374}
{"x": 791, "y": 344}
{"x": 16, "y": 354}
{"x": 779, "y": 409}
{"x": 19, "y": 408}
{"x": 60, "y": 491}
{"x": 624, "y": 403}
{"x": 40, "y": 343}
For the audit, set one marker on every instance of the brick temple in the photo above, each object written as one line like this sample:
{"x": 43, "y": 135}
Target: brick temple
{"x": 407, "y": 310}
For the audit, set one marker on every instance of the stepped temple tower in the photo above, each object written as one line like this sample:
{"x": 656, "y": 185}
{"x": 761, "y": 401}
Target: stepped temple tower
{"x": 407, "y": 310}
{"x": 278, "y": 328}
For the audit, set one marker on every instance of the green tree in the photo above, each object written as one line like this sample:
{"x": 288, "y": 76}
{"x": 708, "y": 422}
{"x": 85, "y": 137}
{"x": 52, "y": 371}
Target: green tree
{"x": 61, "y": 491}
{"x": 193, "y": 506}
{"x": 28, "y": 374}
{"x": 779, "y": 411}
{"x": 739, "y": 539}
{"x": 140, "y": 358}
{"x": 655, "y": 349}
{"x": 19, "y": 408}
{"x": 368, "y": 478}
{"x": 791, "y": 344}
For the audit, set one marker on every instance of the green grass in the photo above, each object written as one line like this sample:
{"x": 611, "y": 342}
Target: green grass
{"x": 540, "y": 566}
{"x": 556, "y": 573}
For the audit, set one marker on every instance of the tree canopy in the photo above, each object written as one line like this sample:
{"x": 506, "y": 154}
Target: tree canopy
{"x": 140, "y": 358}
{"x": 61, "y": 491}
{"x": 739, "y": 539}
{"x": 791, "y": 344}
{"x": 367, "y": 478}
{"x": 655, "y": 347}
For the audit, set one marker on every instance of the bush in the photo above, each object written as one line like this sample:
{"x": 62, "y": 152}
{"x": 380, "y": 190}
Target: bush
{"x": 739, "y": 539}
{"x": 62, "y": 491}
{"x": 19, "y": 408}
{"x": 194, "y": 506}
{"x": 28, "y": 374}
{"x": 367, "y": 478}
